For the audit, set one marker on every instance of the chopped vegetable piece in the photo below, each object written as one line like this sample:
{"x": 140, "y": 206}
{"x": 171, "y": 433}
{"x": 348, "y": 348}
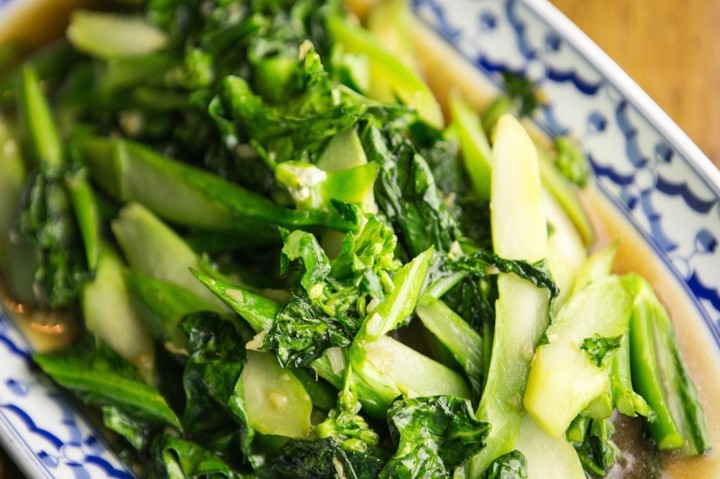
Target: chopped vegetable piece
{"x": 571, "y": 370}
{"x": 660, "y": 377}
{"x": 389, "y": 75}
{"x": 276, "y": 401}
{"x": 122, "y": 330}
{"x": 112, "y": 35}
{"x": 519, "y": 232}
{"x": 475, "y": 146}
{"x": 102, "y": 377}
{"x": 435, "y": 435}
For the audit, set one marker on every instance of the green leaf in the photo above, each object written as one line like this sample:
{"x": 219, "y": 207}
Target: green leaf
{"x": 321, "y": 459}
{"x": 483, "y": 263}
{"x": 597, "y": 452}
{"x": 216, "y": 359}
{"x": 434, "y": 436}
{"x": 521, "y": 90}
{"x": 103, "y": 378}
{"x": 598, "y": 348}
{"x": 300, "y": 333}
{"x": 508, "y": 466}
{"x": 407, "y": 195}
{"x": 186, "y": 459}
{"x": 300, "y": 245}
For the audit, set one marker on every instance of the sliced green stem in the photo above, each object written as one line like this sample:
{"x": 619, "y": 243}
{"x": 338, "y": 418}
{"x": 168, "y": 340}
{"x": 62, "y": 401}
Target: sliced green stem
{"x": 660, "y": 377}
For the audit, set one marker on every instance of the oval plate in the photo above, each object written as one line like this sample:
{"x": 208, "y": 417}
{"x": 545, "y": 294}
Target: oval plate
{"x": 653, "y": 175}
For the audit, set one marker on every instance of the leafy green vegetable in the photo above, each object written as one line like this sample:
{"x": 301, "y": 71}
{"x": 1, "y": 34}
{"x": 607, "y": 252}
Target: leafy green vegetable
{"x": 660, "y": 377}
{"x": 407, "y": 195}
{"x": 299, "y": 334}
{"x": 389, "y": 75}
{"x": 344, "y": 424}
{"x": 257, "y": 310}
{"x": 101, "y": 377}
{"x": 321, "y": 459}
{"x": 597, "y": 452}
{"x": 47, "y": 219}
{"x": 571, "y": 161}
{"x": 598, "y": 348}
{"x": 272, "y": 158}
{"x": 434, "y": 435}
{"x": 521, "y": 90}
{"x": 482, "y": 263}
{"x": 331, "y": 305}
{"x": 213, "y": 414}
{"x": 508, "y": 466}
{"x": 186, "y": 459}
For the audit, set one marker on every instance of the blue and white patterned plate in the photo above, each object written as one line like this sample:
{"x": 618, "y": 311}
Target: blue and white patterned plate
{"x": 653, "y": 175}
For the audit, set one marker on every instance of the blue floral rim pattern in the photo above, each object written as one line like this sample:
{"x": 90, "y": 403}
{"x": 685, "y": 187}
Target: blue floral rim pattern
{"x": 642, "y": 162}
{"x": 39, "y": 426}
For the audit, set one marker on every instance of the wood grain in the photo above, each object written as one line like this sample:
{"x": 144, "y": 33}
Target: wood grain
{"x": 671, "y": 48}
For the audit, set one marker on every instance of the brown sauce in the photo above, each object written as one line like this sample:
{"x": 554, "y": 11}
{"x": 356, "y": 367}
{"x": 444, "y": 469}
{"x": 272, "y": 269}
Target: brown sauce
{"x": 45, "y": 330}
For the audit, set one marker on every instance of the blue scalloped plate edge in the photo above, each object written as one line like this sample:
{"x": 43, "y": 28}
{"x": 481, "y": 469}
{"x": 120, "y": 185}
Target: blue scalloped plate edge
{"x": 630, "y": 90}
{"x": 39, "y": 426}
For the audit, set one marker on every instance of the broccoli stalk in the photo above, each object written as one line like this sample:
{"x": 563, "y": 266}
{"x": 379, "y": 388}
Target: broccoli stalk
{"x": 474, "y": 145}
{"x": 313, "y": 188}
{"x": 153, "y": 248}
{"x": 572, "y": 369}
{"x": 389, "y": 75}
{"x": 624, "y": 397}
{"x": 275, "y": 400}
{"x": 463, "y": 342}
{"x": 553, "y": 165}
{"x": 161, "y": 305}
{"x": 18, "y": 256}
{"x": 659, "y": 375}
{"x": 122, "y": 330}
{"x": 190, "y": 196}
{"x": 48, "y": 220}
{"x": 519, "y": 232}
{"x": 112, "y": 35}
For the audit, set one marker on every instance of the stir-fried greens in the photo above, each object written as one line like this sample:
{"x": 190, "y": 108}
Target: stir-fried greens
{"x": 288, "y": 266}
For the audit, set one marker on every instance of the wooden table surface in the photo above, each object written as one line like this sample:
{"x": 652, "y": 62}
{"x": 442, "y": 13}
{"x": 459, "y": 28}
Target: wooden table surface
{"x": 671, "y": 48}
